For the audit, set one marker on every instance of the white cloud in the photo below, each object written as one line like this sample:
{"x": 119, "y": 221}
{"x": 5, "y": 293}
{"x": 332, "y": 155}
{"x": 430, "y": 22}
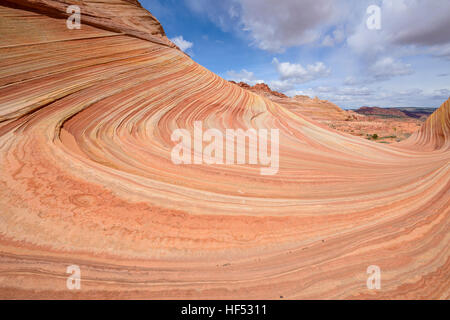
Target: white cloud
{"x": 440, "y": 94}
{"x": 272, "y": 25}
{"x": 275, "y": 25}
{"x": 243, "y": 76}
{"x": 413, "y": 38}
{"x": 336, "y": 37}
{"x": 358, "y": 96}
{"x": 281, "y": 85}
{"x": 386, "y": 68}
{"x": 442, "y": 51}
{"x": 416, "y": 23}
{"x": 328, "y": 41}
{"x": 350, "y": 81}
{"x": 225, "y": 13}
{"x": 292, "y": 74}
{"x": 296, "y": 73}
{"x": 381, "y": 69}
{"x": 181, "y": 43}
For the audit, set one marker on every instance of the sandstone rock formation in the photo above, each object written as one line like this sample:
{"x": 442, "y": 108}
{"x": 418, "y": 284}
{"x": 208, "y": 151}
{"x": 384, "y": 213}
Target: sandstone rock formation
{"x": 414, "y": 113}
{"x": 389, "y": 125}
{"x": 320, "y": 110}
{"x": 121, "y": 16}
{"x": 435, "y": 133}
{"x": 261, "y": 89}
{"x": 86, "y": 178}
{"x": 376, "y": 111}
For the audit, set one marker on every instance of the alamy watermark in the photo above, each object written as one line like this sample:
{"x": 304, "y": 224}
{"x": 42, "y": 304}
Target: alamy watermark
{"x": 73, "y": 282}
{"x": 213, "y": 152}
{"x": 74, "y": 20}
{"x": 373, "y": 22}
{"x": 374, "y": 280}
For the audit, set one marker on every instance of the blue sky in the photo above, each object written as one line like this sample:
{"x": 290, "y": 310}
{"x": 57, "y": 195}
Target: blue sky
{"x": 324, "y": 48}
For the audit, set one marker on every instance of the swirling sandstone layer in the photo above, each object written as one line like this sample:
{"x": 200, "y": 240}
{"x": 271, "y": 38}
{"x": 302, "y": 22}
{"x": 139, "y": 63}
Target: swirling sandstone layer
{"x": 435, "y": 133}
{"x": 87, "y": 179}
{"x": 122, "y": 16}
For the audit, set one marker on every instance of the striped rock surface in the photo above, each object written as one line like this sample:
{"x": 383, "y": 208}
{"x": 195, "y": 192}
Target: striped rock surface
{"x": 435, "y": 133}
{"x": 86, "y": 179}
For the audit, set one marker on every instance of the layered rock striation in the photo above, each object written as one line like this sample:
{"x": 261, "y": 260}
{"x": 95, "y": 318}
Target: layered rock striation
{"x": 435, "y": 133}
{"x": 86, "y": 178}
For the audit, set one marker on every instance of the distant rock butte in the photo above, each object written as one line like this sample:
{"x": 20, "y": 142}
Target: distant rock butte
{"x": 260, "y": 88}
{"x": 86, "y": 177}
{"x": 381, "y": 111}
{"x": 314, "y": 108}
{"x": 415, "y": 113}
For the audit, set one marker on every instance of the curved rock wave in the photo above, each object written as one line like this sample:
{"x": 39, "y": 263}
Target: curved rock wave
{"x": 435, "y": 132}
{"x": 86, "y": 118}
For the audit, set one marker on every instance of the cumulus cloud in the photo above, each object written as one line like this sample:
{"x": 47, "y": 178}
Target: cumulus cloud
{"x": 293, "y": 74}
{"x": 418, "y": 22}
{"x": 243, "y": 76}
{"x": 415, "y": 23}
{"x": 181, "y": 43}
{"x": 412, "y": 33}
{"x": 296, "y": 73}
{"x": 272, "y": 25}
{"x": 281, "y": 85}
{"x": 275, "y": 25}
